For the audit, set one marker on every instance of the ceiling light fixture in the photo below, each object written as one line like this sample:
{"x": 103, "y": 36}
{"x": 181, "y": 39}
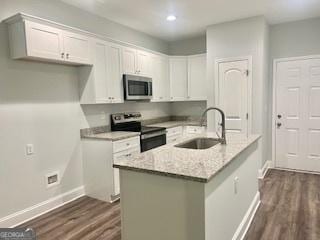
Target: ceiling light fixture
{"x": 171, "y": 18}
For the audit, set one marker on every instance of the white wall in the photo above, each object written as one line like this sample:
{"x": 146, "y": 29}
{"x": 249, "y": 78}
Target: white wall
{"x": 294, "y": 39}
{"x": 247, "y": 37}
{"x": 39, "y": 104}
{"x": 99, "y": 115}
{"x": 190, "y": 46}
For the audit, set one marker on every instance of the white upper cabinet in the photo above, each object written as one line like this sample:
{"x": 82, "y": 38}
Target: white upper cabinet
{"x": 43, "y": 42}
{"x": 76, "y": 48}
{"x": 136, "y": 62}
{"x": 102, "y": 83}
{"x": 129, "y": 60}
{"x": 160, "y": 78}
{"x": 197, "y": 77}
{"x": 114, "y": 73}
{"x": 178, "y": 78}
{"x": 143, "y": 63}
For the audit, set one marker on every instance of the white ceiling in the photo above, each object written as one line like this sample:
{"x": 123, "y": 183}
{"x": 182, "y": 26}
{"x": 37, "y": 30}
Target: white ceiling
{"x": 193, "y": 16}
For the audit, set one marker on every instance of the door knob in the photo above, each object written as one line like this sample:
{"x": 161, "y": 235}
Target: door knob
{"x": 279, "y": 116}
{"x": 279, "y": 125}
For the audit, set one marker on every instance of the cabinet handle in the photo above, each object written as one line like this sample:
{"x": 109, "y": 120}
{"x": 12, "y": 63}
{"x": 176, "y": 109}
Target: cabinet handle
{"x": 128, "y": 155}
{"x": 67, "y": 55}
{"x": 62, "y": 55}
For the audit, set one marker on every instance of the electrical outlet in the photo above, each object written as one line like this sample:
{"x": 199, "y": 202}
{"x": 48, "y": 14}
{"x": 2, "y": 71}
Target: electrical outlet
{"x": 235, "y": 185}
{"x": 29, "y": 149}
{"x": 52, "y": 179}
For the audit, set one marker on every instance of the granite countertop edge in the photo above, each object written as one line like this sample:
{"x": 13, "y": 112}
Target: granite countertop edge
{"x": 189, "y": 177}
{"x": 107, "y": 136}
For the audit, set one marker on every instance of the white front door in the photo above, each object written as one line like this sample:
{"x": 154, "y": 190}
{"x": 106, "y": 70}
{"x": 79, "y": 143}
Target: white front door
{"x": 233, "y": 94}
{"x": 298, "y": 114}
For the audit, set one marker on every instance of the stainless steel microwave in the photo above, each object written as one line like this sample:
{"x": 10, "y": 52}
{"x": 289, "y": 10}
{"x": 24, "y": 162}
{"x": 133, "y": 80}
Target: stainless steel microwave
{"x": 137, "y": 87}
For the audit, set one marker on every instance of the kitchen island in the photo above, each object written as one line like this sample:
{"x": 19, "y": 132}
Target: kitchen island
{"x": 189, "y": 194}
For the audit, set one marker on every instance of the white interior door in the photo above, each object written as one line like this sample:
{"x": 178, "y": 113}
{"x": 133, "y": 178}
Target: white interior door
{"x": 233, "y": 94}
{"x": 298, "y": 114}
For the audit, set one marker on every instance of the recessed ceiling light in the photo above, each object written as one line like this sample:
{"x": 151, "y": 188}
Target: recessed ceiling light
{"x": 171, "y": 18}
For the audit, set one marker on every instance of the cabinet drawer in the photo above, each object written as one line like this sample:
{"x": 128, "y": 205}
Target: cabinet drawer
{"x": 174, "y": 131}
{"x": 172, "y": 139}
{"x": 125, "y": 144}
{"x": 123, "y": 155}
{"x": 194, "y": 129}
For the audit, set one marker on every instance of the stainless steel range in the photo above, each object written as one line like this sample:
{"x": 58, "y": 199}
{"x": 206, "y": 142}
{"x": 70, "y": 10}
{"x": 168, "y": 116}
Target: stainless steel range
{"x": 150, "y": 137}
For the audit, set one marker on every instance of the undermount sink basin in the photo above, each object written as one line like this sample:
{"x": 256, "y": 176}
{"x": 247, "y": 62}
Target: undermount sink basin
{"x": 199, "y": 143}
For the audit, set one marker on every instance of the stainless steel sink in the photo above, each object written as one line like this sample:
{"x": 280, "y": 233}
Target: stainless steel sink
{"x": 199, "y": 143}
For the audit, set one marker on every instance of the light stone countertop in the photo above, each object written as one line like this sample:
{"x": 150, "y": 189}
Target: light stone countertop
{"x": 172, "y": 124}
{"x": 190, "y": 164}
{"x": 111, "y": 136}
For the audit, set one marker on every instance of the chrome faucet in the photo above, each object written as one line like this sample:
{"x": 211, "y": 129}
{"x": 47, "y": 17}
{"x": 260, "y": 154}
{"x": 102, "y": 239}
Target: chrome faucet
{"x": 223, "y": 123}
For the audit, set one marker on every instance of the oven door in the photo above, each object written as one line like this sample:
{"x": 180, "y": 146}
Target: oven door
{"x": 137, "y": 88}
{"x": 152, "y": 140}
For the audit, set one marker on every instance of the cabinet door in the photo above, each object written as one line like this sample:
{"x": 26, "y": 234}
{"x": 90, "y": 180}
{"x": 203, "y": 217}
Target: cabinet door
{"x": 100, "y": 73}
{"x": 129, "y": 60}
{"x": 114, "y": 78}
{"x": 179, "y": 78}
{"x": 160, "y": 78}
{"x": 143, "y": 63}
{"x": 44, "y": 41}
{"x": 76, "y": 48}
{"x": 197, "y": 77}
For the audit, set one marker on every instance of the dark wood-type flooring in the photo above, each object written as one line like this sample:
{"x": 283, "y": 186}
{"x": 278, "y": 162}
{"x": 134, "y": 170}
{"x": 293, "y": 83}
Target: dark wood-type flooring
{"x": 82, "y": 219}
{"x": 290, "y": 207}
{"x": 289, "y": 210}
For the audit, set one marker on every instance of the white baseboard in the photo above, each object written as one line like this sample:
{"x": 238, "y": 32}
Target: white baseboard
{"x": 262, "y": 172}
{"x": 297, "y": 170}
{"x": 29, "y": 213}
{"x": 246, "y": 221}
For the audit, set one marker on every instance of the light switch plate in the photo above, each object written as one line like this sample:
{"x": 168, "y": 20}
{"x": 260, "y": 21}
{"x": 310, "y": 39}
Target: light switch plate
{"x": 29, "y": 149}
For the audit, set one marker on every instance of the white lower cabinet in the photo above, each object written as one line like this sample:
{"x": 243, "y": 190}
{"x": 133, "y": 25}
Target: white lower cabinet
{"x": 174, "y": 134}
{"x": 101, "y": 180}
{"x": 122, "y": 156}
{"x": 194, "y": 129}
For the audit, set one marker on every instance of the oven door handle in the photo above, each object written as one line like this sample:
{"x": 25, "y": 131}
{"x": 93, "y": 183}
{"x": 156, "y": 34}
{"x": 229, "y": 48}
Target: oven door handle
{"x": 150, "y": 89}
{"x": 151, "y": 135}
